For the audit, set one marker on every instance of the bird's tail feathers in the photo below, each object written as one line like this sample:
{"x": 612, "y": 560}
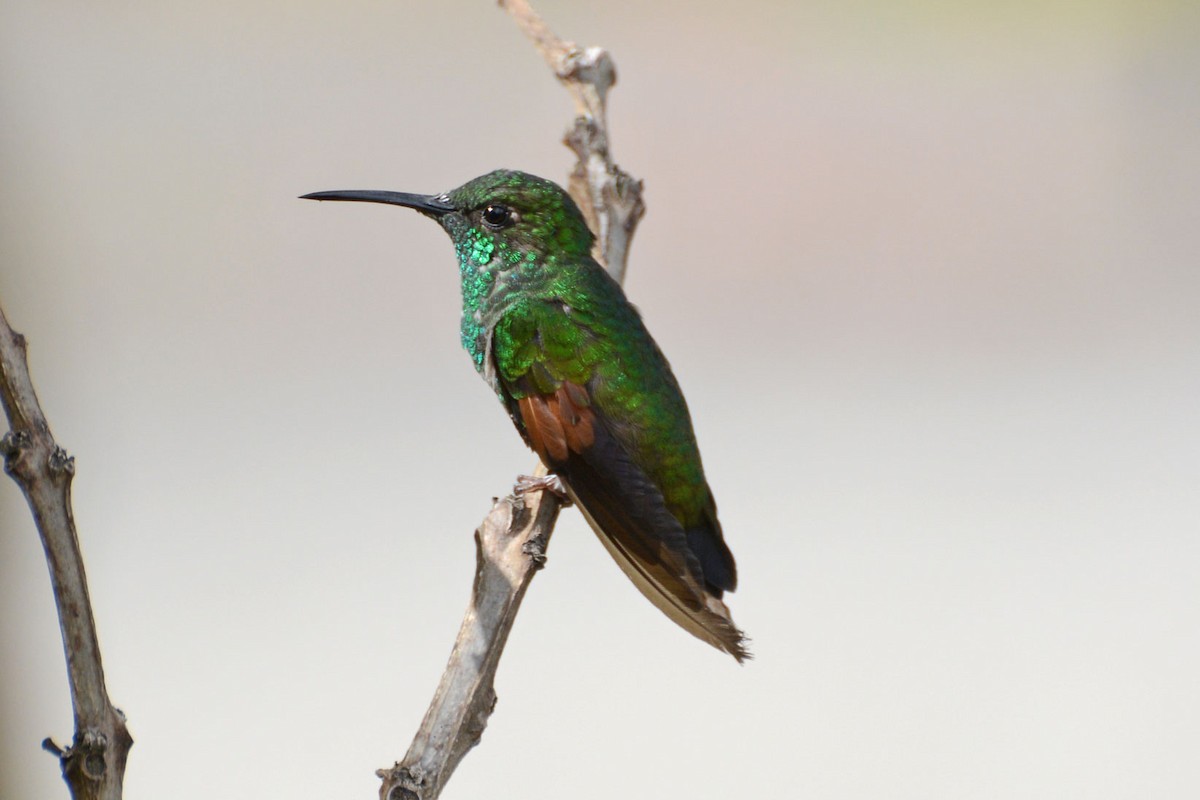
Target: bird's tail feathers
{"x": 690, "y": 605}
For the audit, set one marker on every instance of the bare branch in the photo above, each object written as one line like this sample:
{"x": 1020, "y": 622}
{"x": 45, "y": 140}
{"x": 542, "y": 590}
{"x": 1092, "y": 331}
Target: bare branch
{"x": 611, "y": 199}
{"x": 94, "y": 765}
{"x": 510, "y": 544}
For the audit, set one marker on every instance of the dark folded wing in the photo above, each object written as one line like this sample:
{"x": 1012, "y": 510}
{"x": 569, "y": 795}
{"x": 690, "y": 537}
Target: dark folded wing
{"x": 628, "y": 513}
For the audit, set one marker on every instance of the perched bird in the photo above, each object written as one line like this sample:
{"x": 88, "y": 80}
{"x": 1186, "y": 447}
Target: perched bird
{"x": 588, "y": 389}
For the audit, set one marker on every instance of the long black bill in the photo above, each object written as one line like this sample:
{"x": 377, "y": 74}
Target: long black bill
{"x": 425, "y": 203}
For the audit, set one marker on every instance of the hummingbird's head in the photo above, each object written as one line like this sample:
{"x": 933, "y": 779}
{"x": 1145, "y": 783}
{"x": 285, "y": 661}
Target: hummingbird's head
{"x": 525, "y": 213}
{"x": 506, "y": 215}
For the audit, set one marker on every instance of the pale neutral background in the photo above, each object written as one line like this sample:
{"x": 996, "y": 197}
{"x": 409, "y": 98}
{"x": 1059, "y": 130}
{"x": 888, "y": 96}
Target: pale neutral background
{"x": 928, "y": 276}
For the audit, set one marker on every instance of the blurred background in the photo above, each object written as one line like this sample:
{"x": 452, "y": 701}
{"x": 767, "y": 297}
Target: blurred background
{"x": 927, "y": 274}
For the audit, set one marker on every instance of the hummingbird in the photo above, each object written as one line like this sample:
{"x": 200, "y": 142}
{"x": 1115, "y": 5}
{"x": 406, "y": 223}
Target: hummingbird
{"x": 586, "y": 386}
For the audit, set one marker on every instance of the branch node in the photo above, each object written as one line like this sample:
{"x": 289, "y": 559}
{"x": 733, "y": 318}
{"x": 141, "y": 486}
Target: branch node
{"x": 12, "y": 444}
{"x": 476, "y": 723}
{"x": 61, "y": 462}
{"x": 517, "y": 511}
{"x": 94, "y": 765}
{"x": 403, "y": 783}
{"x": 624, "y": 193}
{"x": 591, "y": 66}
{"x": 87, "y": 754}
{"x": 586, "y": 137}
{"x": 535, "y": 548}
{"x": 568, "y": 62}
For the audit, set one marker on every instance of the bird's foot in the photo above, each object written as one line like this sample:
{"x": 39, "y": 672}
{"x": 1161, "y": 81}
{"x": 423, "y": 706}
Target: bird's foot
{"x": 545, "y": 483}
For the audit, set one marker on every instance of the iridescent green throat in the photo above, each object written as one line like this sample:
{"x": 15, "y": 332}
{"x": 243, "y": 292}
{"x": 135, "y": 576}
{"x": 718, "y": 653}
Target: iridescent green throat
{"x": 492, "y": 271}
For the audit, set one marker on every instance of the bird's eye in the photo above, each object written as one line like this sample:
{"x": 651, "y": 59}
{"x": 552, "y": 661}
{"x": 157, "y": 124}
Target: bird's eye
{"x": 496, "y": 216}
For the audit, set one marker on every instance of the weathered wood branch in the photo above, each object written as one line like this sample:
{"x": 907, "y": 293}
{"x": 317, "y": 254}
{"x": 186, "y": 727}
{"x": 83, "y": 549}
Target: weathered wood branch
{"x": 510, "y": 544}
{"x": 94, "y": 765}
{"x": 610, "y": 198}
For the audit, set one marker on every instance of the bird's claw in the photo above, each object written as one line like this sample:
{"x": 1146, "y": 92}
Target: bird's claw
{"x": 545, "y": 483}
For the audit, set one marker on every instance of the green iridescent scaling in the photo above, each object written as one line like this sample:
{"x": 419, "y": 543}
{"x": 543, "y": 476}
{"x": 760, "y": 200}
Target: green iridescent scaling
{"x": 586, "y": 386}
